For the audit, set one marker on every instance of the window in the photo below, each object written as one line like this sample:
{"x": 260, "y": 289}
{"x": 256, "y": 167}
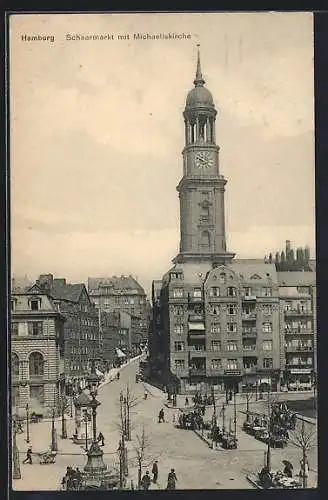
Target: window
{"x": 267, "y": 327}
{"x": 215, "y": 291}
{"x": 206, "y": 239}
{"x": 267, "y": 362}
{"x": 215, "y": 309}
{"x": 178, "y": 329}
{"x": 232, "y": 327}
{"x": 179, "y": 364}
{"x": 288, "y": 306}
{"x": 13, "y": 304}
{"x": 231, "y": 291}
{"x": 37, "y": 393}
{"x": 36, "y": 365}
{"x": 14, "y": 365}
{"x": 205, "y": 212}
{"x": 232, "y": 346}
{"x": 247, "y": 291}
{"x": 303, "y": 289}
{"x": 223, "y": 278}
{"x": 216, "y": 345}
{"x": 232, "y": 364}
{"x": 267, "y": 292}
{"x": 178, "y": 292}
{"x": 232, "y": 309}
{"x": 267, "y": 345}
{"x": 14, "y": 328}
{"x": 178, "y": 310}
{"x": 15, "y": 396}
{"x": 179, "y": 346}
{"x": 197, "y": 292}
{"x": 131, "y": 301}
{"x": 267, "y": 309}
{"x": 35, "y": 305}
{"x": 215, "y": 328}
{"x": 249, "y": 346}
{"x": 126, "y": 301}
{"x": 35, "y": 328}
{"x": 216, "y": 364}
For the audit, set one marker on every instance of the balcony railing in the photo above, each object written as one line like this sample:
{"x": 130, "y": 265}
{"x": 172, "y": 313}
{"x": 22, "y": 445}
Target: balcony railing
{"x": 293, "y": 348}
{"x": 193, "y": 353}
{"x": 196, "y": 317}
{"x": 192, "y": 298}
{"x": 249, "y": 298}
{"x": 299, "y": 363}
{"x": 301, "y": 331}
{"x": 249, "y": 333}
{"x": 197, "y": 371}
{"x": 249, "y": 348}
{"x": 298, "y": 312}
{"x": 250, "y": 369}
{"x": 248, "y": 316}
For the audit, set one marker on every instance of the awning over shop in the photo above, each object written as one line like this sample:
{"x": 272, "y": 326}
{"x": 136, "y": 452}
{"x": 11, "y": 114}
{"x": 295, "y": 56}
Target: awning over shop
{"x": 120, "y": 354}
{"x": 196, "y": 326}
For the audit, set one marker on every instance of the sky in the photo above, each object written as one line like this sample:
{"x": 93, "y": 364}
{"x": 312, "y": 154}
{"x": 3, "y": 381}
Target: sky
{"x": 97, "y": 134}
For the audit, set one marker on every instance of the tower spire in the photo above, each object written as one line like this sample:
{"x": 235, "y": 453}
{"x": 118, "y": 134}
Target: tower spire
{"x": 199, "y": 80}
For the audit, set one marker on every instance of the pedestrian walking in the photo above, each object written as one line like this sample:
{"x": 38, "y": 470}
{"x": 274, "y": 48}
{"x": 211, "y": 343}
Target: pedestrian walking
{"x": 101, "y": 439}
{"x": 145, "y": 395}
{"x": 28, "y": 456}
{"x": 155, "y": 471}
{"x": 171, "y": 480}
{"x": 203, "y": 410}
{"x": 145, "y": 481}
{"x": 161, "y": 416}
{"x": 186, "y": 402}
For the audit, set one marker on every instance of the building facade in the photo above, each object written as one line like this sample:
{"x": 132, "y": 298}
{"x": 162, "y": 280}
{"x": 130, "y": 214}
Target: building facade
{"x": 82, "y": 336}
{"x": 37, "y": 352}
{"x": 216, "y": 319}
{"x": 297, "y": 292}
{"x": 126, "y": 296}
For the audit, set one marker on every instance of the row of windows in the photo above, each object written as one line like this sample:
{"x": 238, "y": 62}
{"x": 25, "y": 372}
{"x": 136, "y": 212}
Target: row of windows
{"x": 215, "y": 291}
{"x": 81, "y": 350}
{"x": 297, "y": 361}
{"x": 232, "y": 364}
{"x": 302, "y": 306}
{"x": 36, "y": 393}
{"x": 36, "y": 328}
{"x": 231, "y": 328}
{"x": 231, "y": 346}
{"x": 230, "y": 309}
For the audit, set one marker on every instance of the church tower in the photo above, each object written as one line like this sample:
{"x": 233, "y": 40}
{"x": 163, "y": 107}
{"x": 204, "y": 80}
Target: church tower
{"x": 201, "y": 189}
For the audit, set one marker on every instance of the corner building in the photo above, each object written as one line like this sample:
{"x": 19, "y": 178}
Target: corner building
{"x": 216, "y": 320}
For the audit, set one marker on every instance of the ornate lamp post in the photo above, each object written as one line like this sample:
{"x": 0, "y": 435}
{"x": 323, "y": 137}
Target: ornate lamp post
{"x": 16, "y": 466}
{"x": 27, "y": 423}
{"x": 95, "y": 469}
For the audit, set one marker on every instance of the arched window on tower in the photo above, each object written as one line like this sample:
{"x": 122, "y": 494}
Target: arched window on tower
{"x": 36, "y": 365}
{"x": 206, "y": 240}
{"x": 14, "y": 366}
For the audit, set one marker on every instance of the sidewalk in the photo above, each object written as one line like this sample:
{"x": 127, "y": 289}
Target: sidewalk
{"x": 112, "y": 373}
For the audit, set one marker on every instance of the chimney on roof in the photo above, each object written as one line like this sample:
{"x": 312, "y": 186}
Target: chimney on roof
{"x": 60, "y": 281}
{"x": 45, "y": 281}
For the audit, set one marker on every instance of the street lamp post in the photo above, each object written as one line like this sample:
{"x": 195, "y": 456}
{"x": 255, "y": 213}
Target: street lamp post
{"x": 268, "y": 456}
{"x": 27, "y": 424}
{"x": 16, "y": 466}
{"x": 53, "y": 432}
{"x": 63, "y": 422}
{"x": 86, "y": 419}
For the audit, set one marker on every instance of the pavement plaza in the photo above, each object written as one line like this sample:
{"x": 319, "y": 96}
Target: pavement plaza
{"x": 196, "y": 465}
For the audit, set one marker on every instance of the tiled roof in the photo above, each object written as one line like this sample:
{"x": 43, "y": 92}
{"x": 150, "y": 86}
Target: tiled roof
{"x": 254, "y": 271}
{"x": 117, "y": 282}
{"x": 66, "y": 292}
{"x": 82, "y": 400}
{"x": 296, "y": 278}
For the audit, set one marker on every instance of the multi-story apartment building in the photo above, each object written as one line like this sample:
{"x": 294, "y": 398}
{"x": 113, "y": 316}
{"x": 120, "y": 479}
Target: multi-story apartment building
{"x": 82, "y": 335}
{"x": 126, "y": 296}
{"x": 216, "y": 319}
{"x": 297, "y": 292}
{"x": 37, "y": 351}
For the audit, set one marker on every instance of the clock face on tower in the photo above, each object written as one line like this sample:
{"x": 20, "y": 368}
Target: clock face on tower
{"x": 203, "y": 160}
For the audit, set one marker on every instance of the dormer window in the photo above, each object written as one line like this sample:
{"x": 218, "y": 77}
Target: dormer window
{"x": 35, "y": 303}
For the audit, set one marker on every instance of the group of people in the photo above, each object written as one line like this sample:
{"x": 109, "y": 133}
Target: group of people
{"x": 72, "y": 479}
{"x": 146, "y": 479}
{"x": 268, "y": 479}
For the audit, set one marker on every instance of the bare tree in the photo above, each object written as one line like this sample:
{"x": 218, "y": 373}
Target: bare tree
{"x": 144, "y": 458}
{"x": 303, "y": 437}
{"x": 248, "y": 396}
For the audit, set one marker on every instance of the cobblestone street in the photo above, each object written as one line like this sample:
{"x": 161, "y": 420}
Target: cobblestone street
{"x": 197, "y": 466}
